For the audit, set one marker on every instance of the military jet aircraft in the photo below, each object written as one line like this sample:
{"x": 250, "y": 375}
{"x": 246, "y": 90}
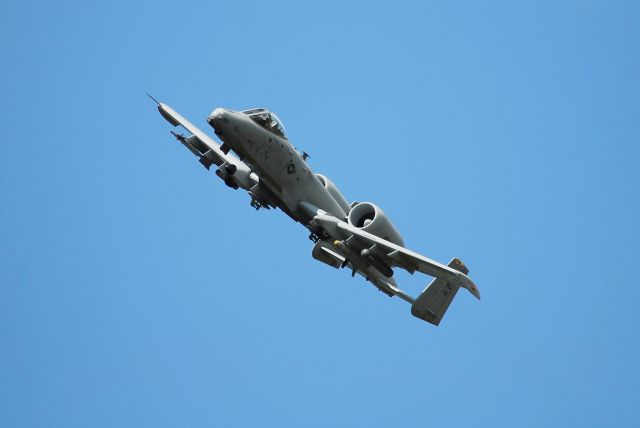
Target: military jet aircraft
{"x": 256, "y": 156}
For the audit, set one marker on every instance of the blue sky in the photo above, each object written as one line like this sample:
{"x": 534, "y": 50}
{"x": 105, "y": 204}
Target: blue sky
{"x": 137, "y": 290}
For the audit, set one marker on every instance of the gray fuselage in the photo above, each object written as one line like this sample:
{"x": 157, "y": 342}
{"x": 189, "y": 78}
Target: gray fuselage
{"x": 275, "y": 161}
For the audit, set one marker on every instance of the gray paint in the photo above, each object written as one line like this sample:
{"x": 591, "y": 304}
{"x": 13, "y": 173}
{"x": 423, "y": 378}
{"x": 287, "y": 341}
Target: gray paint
{"x": 357, "y": 236}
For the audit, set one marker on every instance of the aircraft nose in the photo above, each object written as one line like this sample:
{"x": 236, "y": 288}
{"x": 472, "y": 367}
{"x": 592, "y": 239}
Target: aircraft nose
{"x": 217, "y": 119}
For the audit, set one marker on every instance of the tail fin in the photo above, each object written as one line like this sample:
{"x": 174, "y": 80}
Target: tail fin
{"x": 434, "y": 301}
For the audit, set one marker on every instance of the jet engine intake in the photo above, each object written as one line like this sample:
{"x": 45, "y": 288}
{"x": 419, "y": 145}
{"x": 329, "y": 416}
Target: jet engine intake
{"x": 371, "y": 219}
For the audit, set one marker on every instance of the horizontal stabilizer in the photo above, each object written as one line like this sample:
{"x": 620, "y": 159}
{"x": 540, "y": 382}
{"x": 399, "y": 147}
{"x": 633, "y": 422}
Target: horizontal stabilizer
{"x": 434, "y": 301}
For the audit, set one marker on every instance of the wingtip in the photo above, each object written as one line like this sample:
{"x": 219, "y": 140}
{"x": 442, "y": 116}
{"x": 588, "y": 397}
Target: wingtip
{"x": 474, "y": 290}
{"x": 469, "y": 285}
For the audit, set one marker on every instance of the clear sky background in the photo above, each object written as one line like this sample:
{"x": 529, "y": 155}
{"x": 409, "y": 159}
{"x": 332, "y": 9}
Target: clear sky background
{"x": 137, "y": 290}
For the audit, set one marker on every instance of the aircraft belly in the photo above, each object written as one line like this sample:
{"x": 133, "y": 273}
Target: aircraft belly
{"x": 278, "y": 162}
{"x": 306, "y": 187}
{"x": 282, "y": 169}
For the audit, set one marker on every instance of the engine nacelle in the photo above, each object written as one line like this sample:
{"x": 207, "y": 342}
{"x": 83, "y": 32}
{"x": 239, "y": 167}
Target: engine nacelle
{"x": 334, "y": 192}
{"x": 371, "y": 218}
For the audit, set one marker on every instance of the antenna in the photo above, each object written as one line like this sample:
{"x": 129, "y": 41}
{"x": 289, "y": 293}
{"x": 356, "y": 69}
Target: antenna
{"x": 150, "y": 96}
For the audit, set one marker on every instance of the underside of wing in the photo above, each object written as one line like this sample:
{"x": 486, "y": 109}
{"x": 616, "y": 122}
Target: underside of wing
{"x": 231, "y": 170}
{"x": 412, "y": 261}
{"x": 201, "y": 142}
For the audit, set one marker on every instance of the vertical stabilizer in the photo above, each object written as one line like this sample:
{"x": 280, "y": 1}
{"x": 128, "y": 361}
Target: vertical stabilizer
{"x": 434, "y": 301}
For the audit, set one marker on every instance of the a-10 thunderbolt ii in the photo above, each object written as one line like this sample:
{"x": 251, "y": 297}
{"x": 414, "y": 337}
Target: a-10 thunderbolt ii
{"x": 356, "y": 235}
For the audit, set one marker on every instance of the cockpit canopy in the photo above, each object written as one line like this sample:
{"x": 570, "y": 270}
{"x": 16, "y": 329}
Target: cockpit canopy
{"x": 268, "y": 120}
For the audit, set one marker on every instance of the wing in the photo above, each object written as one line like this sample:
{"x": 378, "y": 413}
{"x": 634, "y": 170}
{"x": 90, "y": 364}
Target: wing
{"x": 411, "y": 261}
{"x": 397, "y": 255}
{"x": 232, "y": 170}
